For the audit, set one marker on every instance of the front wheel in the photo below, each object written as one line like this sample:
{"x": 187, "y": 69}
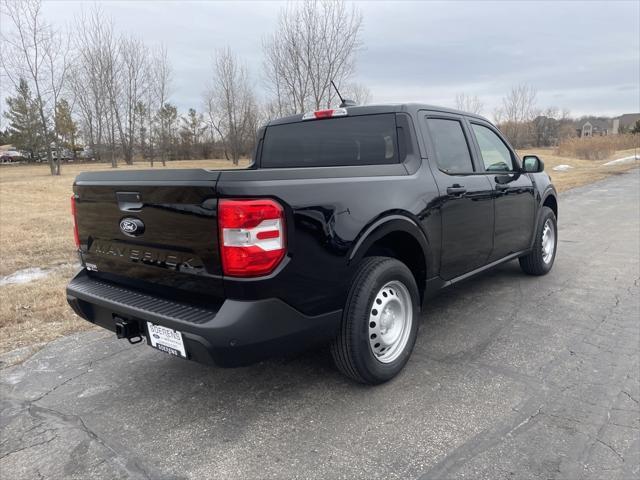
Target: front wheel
{"x": 380, "y": 322}
{"x": 540, "y": 260}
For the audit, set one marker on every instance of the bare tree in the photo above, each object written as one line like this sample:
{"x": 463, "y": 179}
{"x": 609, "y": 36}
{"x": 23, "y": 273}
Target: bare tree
{"x": 551, "y": 126}
{"x": 315, "y": 42}
{"x": 545, "y": 127}
{"x": 468, "y": 103}
{"x": 140, "y": 112}
{"x": 33, "y": 50}
{"x": 160, "y": 76}
{"x": 231, "y": 105}
{"x": 149, "y": 117}
{"x": 90, "y": 78}
{"x": 81, "y": 93}
{"x": 357, "y": 92}
{"x": 111, "y": 67}
{"x": 110, "y": 79}
{"x": 516, "y": 115}
{"x": 58, "y": 67}
{"x": 566, "y": 128}
{"x": 134, "y": 55}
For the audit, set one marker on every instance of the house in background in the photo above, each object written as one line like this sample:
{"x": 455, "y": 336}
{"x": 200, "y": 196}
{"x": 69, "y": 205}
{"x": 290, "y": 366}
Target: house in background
{"x": 594, "y": 126}
{"x": 599, "y": 126}
{"x": 624, "y": 123}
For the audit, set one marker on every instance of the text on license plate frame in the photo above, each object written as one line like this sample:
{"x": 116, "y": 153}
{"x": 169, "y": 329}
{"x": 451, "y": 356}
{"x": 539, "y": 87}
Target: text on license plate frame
{"x": 166, "y": 340}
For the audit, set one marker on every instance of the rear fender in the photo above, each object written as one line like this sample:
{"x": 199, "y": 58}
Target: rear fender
{"x": 386, "y": 225}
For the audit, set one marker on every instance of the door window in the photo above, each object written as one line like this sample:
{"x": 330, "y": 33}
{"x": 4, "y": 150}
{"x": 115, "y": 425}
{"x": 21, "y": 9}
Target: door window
{"x": 495, "y": 154}
{"x": 450, "y": 144}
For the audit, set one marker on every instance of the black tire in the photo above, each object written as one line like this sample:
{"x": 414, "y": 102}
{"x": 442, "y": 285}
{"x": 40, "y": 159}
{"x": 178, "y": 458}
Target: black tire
{"x": 534, "y": 263}
{"x": 351, "y": 348}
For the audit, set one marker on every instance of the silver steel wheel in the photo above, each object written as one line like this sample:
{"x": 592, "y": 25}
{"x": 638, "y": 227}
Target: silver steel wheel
{"x": 390, "y": 320}
{"x": 548, "y": 241}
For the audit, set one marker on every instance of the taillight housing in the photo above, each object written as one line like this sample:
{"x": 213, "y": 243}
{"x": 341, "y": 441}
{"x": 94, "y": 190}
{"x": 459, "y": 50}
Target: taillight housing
{"x": 74, "y": 214}
{"x": 252, "y": 236}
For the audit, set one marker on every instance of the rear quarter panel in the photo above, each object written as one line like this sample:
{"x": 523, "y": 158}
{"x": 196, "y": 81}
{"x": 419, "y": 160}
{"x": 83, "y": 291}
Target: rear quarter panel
{"x": 326, "y": 211}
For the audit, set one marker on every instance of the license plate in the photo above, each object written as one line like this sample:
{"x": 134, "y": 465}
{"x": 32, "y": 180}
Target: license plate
{"x": 166, "y": 340}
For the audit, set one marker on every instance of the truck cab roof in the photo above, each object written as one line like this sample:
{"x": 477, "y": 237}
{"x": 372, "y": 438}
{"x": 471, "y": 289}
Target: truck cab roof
{"x": 410, "y": 108}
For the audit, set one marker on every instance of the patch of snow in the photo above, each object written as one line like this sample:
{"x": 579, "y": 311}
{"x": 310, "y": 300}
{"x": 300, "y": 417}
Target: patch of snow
{"x": 30, "y": 274}
{"x": 562, "y": 168}
{"x": 25, "y": 275}
{"x": 620, "y": 161}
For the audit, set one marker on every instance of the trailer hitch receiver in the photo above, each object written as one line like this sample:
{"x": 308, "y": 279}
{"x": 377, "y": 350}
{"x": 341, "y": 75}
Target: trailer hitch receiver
{"x": 127, "y": 329}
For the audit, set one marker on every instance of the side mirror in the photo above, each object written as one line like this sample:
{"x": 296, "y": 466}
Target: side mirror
{"x": 532, "y": 164}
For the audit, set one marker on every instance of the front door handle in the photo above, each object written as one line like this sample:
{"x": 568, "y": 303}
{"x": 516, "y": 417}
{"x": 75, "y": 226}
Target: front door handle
{"x": 456, "y": 190}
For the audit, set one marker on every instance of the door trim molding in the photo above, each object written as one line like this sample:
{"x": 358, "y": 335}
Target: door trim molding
{"x": 488, "y": 266}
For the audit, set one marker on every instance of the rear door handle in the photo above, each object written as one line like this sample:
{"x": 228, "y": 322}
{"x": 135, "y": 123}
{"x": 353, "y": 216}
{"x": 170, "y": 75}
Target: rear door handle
{"x": 456, "y": 190}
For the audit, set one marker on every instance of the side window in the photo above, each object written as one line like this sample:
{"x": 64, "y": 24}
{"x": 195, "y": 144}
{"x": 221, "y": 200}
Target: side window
{"x": 495, "y": 154}
{"x": 450, "y": 144}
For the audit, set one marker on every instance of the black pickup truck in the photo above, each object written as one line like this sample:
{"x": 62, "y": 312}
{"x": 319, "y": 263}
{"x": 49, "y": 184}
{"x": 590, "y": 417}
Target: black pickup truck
{"x": 345, "y": 223}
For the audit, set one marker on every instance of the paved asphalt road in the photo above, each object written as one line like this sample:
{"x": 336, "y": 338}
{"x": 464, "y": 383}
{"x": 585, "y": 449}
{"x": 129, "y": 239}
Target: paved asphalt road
{"x": 512, "y": 377}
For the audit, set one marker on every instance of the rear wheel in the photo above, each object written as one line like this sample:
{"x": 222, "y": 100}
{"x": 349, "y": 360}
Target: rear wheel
{"x": 380, "y": 322}
{"x": 540, "y": 260}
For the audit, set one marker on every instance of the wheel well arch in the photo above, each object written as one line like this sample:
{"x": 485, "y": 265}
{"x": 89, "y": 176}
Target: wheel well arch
{"x": 399, "y": 238}
{"x": 552, "y": 202}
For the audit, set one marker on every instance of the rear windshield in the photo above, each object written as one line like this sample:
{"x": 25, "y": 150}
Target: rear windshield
{"x": 362, "y": 140}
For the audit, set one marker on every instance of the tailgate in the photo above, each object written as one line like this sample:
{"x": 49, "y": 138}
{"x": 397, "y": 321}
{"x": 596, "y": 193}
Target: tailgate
{"x": 151, "y": 229}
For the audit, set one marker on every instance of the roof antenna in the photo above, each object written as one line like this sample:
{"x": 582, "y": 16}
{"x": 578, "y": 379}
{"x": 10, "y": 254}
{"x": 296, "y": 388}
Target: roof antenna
{"x": 344, "y": 102}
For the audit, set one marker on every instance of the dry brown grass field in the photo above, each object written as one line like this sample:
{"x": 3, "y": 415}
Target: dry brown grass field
{"x": 36, "y": 231}
{"x": 582, "y": 171}
{"x": 597, "y": 147}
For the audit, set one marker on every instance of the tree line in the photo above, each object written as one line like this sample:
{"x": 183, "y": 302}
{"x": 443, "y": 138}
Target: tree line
{"x": 111, "y": 94}
{"x": 522, "y": 121}
{"x": 91, "y": 92}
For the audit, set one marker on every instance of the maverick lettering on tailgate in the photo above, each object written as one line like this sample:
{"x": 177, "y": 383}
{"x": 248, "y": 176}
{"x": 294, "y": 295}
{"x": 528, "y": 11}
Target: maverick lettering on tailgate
{"x": 173, "y": 260}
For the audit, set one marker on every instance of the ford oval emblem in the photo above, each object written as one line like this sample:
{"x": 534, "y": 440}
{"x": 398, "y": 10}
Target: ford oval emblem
{"x": 132, "y": 227}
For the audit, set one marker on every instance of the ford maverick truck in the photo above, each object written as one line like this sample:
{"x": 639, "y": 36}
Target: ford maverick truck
{"x": 343, "y": 226}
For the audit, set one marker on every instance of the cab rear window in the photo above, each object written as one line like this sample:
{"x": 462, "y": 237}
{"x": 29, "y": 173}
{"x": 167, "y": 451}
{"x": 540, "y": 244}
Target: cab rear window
{"x": 346, "y": 141}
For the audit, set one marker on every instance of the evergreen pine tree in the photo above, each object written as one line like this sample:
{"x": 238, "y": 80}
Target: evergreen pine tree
{"x": 24, "y": 130}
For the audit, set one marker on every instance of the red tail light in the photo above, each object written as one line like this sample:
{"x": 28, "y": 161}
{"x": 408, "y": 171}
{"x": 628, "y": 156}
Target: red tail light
{"x": 74, "y": 213}
{"x": 252, "y": 236}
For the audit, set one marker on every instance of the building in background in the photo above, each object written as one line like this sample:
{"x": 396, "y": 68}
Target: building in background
{"x": 599, "y": 126}
{"x": 624, "y": 123}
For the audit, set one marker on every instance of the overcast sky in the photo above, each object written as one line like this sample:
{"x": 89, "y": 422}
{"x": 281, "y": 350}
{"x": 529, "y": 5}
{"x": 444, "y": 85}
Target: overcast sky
{"x": 580, "y": 55}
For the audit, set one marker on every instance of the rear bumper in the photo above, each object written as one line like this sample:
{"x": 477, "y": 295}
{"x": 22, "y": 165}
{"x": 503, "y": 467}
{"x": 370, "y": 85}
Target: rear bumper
{"x": 237, "y": 333}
